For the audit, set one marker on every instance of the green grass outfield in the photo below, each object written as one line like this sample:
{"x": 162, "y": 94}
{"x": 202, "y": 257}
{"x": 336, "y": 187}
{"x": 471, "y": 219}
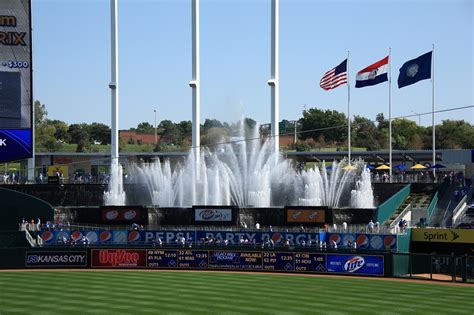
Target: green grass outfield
{"x": 136, "y": 292}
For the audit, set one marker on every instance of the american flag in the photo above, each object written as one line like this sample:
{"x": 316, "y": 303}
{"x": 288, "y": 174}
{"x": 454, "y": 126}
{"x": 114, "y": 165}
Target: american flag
{"x": 334, "y": 77}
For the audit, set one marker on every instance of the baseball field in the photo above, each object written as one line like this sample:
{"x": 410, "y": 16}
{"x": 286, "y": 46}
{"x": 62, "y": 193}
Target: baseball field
{"x": 140, "y": 292}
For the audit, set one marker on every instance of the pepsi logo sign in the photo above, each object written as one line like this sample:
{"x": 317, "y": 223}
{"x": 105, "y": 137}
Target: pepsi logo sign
{"x": 111, "y": 214}
{"x": 130, "y": 215}
{"x": 353, "y": 264}
{"x": 389, "y": 241}
{"x": 296, "y": 215}
{"x": 105, "y": 236}
{"x": 335, "y": 238}
{"x": 47, "y": 236}
{"x": 362, "y": 241}
{"x": 76, "y": 235}
{"x": 134, "y": 236}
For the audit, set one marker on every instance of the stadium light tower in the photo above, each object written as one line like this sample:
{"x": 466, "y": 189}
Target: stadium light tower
{"x": 195, "y": 80}
{"x": 113, "y": 85}
{"x": 274, "y": 81}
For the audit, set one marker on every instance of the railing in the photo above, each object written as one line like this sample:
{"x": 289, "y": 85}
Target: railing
{"x": 397, "y": 220}
{"x": 30, "y": 239}
{"x": 459, "y": 210}
{"x": 431, "y": 208}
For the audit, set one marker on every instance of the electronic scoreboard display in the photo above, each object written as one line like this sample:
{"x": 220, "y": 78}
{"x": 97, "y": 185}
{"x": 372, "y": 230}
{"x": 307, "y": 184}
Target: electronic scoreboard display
{"x": 265, "y": 261}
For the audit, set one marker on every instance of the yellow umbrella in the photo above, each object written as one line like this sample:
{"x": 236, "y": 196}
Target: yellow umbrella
{"x": 349, "y": 167}
{"x": 383, "y": 167}
{"x": 417, "y": 167}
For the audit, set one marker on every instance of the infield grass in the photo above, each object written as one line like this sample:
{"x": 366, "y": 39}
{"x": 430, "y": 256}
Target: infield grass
{"x": 136, "y": 292}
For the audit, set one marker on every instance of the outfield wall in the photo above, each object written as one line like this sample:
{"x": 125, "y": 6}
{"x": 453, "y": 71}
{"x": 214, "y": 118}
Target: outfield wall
{"x": 198, "y": 259}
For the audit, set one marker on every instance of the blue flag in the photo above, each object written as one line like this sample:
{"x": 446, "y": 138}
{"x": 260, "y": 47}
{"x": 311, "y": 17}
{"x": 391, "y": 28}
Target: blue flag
{"x": 415, "y": 70}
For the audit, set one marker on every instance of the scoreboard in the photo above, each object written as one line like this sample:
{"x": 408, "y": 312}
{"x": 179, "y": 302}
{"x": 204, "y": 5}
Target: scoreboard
{"x": 307, "y": 262}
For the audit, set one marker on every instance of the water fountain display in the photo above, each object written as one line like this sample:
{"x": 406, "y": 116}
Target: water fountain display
{"x": 246, "y": 174}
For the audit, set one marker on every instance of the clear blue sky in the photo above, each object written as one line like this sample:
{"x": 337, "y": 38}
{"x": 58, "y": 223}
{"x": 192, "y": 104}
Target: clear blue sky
{"x": 72, "y": 57}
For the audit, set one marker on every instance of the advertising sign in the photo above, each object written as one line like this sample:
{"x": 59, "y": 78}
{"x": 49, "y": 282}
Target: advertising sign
{"x": 442, "y": 235}
{"x": 123, "y": 258}
{"x": 356, "y": 264}
{"x": 376, "y": 242}
{"x": 306, "y": 215}
{"x": 212, "y": 215}
{"x": 310, "y": 262}
{"x": 221, "y": 259}
{"x": 121, "y": 214}
{"x": 56, "y": 259}
{"x": 15, "y": 80}
{"x": 278, "y": 261}
{"x": 58, "y": 170}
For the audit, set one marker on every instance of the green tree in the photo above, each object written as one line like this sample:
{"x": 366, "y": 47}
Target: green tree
{"x": 210, "y": 123}
{"x": 45, "y": 140}
{"x": 145, "y": 128}
{"x": 169, "y": 132}
{"x": 61, "y": 132}
{"x": 80, "y": 135}
{"x": 100, "y": 132}
{"x": 330, "y": 123}
{"x": 454, "y": 134}
{"x": 213, "y": 136}
{"x": 365, "y": 132}
{"x": 403, "y": 131}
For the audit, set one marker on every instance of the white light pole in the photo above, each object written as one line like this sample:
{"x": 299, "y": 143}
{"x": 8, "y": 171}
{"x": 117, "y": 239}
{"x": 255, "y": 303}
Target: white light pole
{"x": 194, "y": 83}
{"x": 275, "y": 76}
{"x": 155, "y": 125}
{"x": 419, "y": 117}
{"x": 113, "y": 85}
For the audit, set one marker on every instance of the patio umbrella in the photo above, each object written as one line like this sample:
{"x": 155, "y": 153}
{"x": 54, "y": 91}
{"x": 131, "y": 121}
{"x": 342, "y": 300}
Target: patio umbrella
{"x": 437, "y": 166}
{"x": 349, "y": 167}
{"x": 370, "y": 167}
{"x": 400, "y": 167}
{"x": 383, "y": 167}
{"x": 418, "y": 167}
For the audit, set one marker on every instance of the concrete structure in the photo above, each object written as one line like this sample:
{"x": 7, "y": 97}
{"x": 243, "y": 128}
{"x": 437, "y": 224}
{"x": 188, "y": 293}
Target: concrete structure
{"x": 457, "y": 160}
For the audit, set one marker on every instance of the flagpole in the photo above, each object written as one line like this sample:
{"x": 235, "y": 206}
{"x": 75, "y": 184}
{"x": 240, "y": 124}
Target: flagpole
{"x": 433, "y": 109}
{"x": 348, "y": 111}
{"x": 390, "y": 109}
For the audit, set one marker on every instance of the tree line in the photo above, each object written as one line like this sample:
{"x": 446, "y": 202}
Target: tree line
{"x": 317, "y": 128}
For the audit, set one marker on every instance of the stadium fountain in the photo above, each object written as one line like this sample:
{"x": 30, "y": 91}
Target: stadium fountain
{"x": 246, "y": 174}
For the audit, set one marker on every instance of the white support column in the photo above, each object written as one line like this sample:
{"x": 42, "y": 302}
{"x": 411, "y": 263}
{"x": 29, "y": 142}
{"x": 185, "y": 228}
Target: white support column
{"x": 113, "y": 85}
{"x": 274, "y": 82}
{"x": 390, "y": 111}
{"x": 433, "y": 109}
{"x": 195, "y": 81}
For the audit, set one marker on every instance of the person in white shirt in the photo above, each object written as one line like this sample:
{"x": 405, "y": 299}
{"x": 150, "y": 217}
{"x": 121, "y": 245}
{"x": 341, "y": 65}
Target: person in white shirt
{"x": 371, "y": 226}
{"x": 257, "y": 226}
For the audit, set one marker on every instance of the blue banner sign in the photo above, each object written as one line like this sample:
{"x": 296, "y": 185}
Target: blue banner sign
{"x": 373, "y": 242}
{"x": 355, "y": 264}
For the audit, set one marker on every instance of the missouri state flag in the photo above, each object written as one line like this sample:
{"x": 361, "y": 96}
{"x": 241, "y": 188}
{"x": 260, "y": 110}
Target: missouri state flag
{"x": 415, "y": 70}
{"x": 374, "y": 74}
